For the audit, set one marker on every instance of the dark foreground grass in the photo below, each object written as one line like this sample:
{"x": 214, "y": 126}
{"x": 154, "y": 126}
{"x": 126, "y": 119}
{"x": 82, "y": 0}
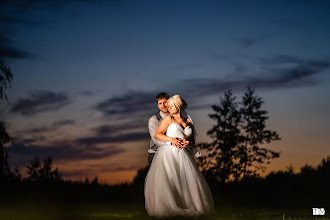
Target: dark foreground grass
{"x": 45, "y": 210}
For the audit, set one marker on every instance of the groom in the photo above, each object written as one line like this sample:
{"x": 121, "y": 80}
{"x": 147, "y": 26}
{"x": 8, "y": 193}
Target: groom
{"x": 154, "y": 123}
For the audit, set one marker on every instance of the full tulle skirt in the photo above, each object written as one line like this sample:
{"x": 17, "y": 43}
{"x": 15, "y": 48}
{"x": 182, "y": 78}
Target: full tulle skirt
{"x": 174, "y": 186}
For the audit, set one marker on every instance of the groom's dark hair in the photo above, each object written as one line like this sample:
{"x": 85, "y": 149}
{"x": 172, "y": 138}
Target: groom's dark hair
{"x": 162, "y": 95}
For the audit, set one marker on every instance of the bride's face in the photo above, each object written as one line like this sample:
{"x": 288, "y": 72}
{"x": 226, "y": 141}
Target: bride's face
{"x": 171, "y": 108}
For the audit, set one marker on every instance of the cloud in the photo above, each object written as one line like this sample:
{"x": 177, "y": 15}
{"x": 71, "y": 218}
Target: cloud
{"x": 36, "y": 131}
{"x": 251, "y": 41}
{"x": 282, "y": 59}
{"x": 121, "y": 138}
{"x": 40, "y": 101}
{"x": 31, "y": 140}
{"x": 299, "y": 73}
{"x": 53, "y": 127}
{"x": 131, "y": 103}
{"x": 7, "y": 51}
{"x": 123, "y": 168}
{"x": 94, "y": 171}
{"x": 274, "y": 73}
{"x": 98, "y": 168}
{"x": 106, "y": 129}
{"x": 87, "y": 93}
{"x": 61, "y": 123}
{"x": 295, "y": 71}
{"x": 21, "y": 154}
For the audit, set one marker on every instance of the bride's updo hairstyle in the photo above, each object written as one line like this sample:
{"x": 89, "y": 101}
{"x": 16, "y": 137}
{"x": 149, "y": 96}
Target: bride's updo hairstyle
{"x": 178, "y": 102}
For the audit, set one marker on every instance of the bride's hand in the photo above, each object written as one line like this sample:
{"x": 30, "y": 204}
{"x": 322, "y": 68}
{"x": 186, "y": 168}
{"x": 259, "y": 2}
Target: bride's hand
{"x": 176, "y": 142}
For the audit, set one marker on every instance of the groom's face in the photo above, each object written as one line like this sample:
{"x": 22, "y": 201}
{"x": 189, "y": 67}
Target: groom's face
{"x": 162, "y": 105}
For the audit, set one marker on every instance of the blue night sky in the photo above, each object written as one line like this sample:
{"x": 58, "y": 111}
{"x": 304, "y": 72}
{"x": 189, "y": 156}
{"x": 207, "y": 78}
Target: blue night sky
{"x": 86, "y": 74}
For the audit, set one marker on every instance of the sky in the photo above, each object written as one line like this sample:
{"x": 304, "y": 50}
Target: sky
{"x": 86, "y": 74}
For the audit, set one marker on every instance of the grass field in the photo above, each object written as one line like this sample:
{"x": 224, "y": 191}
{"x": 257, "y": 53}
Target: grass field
{"x": 30, "y": 210}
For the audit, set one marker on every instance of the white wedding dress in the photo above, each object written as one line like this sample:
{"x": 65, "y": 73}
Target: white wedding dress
{"x": 174, "y": 186}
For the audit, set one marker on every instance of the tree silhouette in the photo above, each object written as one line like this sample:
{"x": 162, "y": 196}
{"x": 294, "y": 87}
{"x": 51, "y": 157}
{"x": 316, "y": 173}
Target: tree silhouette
{"x": 240, "y": 129}
{"x": 95, "y": 181}
{"x": 5, "y": 81}
{"x": 5, "y": 78}
{"x": 307, "y": 171}
{"x": 141, "y": 175}
{"x": 255, "y": 134}
{"x": 220, "y": 161}
{"x": 43, "y": 173}
{"x": 4, "y": 165}
{"x": 323, "y": 169}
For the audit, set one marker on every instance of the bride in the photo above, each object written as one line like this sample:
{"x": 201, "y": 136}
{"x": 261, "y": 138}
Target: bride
{"x": 174, "y": 186}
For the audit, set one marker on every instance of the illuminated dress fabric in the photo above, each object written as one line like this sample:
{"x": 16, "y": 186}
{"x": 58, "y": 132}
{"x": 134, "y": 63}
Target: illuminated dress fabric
{"x": 174, "y": 185}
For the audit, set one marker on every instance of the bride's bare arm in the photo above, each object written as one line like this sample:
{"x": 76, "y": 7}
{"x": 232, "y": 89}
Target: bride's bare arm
{"x": 159, "y": 135}
{"x": 162, "y": 129}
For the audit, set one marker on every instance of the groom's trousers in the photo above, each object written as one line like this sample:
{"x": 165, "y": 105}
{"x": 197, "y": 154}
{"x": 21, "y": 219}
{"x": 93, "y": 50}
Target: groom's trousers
{"x": 150, "y": 157}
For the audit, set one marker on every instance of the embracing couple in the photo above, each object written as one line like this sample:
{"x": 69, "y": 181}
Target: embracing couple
{"x": 174, "y": 186}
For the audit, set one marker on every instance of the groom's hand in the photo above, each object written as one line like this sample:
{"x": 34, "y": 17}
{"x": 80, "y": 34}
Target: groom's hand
{"x": 184, "y": 143}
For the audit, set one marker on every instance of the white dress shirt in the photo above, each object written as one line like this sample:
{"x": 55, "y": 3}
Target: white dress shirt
{"x": 153, "y": 125}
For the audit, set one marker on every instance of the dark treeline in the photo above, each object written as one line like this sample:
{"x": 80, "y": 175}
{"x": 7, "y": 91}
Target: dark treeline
{"x": 44, "y": 183}
{"x": 282, "y": 189}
